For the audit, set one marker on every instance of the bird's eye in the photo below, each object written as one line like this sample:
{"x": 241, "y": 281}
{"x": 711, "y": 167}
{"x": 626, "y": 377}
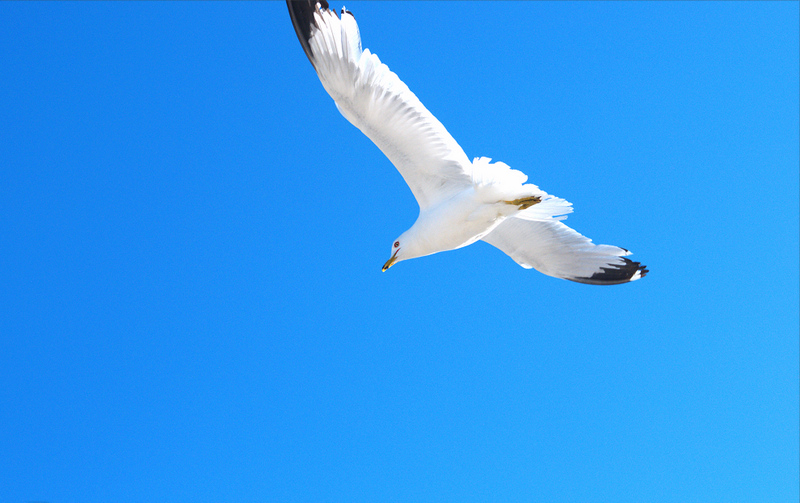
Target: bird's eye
{"x": 396, "y": 244}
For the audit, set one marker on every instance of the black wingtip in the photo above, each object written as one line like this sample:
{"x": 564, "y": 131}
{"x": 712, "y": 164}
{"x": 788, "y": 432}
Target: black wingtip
{"x": 302, "y": 14}
{"x": 616, "y": 274}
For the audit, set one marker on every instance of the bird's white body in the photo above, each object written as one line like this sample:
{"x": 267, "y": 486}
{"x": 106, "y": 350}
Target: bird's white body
{"x": 460, "y": 201}
{"x": 472, "y": 213}
{"x": 464, "y": 215}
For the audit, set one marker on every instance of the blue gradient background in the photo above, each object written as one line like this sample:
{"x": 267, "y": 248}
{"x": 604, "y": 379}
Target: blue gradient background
{"x": 191, "y": 237}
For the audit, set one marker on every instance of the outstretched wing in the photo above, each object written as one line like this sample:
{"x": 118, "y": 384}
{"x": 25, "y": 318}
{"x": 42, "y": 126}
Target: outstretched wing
{"x": 378, "y": 103}
{"x": 554, "y": 249}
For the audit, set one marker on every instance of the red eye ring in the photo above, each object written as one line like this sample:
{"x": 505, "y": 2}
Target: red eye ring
{"x": 396, "y": 244}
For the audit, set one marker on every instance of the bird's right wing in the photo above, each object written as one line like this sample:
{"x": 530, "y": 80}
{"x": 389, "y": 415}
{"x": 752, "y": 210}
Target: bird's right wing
{"x": 377, "y": 102}
{"x": 554, "y": 249}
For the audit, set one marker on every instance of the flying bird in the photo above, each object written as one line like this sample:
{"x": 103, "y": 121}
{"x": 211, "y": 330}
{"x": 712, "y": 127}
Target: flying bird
{"x": 460, "y": 202}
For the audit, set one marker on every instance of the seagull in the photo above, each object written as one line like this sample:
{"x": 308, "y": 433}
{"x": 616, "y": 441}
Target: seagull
{"x": 460, "y": 202}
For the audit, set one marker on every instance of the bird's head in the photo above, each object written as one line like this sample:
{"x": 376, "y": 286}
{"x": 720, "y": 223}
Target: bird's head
{"x": 397, "y": 254}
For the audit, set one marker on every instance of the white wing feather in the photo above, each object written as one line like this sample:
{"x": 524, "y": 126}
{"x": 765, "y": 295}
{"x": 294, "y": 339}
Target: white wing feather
{"x": 377, "y": 102}
{"x": 554, "y": 249}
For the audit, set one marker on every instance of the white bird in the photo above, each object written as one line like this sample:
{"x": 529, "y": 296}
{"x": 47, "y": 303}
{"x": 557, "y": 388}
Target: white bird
{"x": 460, "y": 201}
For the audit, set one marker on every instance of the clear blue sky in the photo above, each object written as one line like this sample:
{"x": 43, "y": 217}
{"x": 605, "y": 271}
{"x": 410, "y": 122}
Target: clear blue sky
{"x": 191, "y": 238}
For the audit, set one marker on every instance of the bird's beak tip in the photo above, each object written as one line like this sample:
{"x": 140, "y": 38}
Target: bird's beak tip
{"x": 389, "y": 263}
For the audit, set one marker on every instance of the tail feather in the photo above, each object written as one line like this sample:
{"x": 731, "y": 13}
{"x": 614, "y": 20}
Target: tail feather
{"x": 499, "y": 182}
{"x": 486, "y": 174}
{"x": 551, "y": 208}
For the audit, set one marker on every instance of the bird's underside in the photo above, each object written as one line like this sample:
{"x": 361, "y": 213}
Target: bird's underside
{"x": 460, "y": 201}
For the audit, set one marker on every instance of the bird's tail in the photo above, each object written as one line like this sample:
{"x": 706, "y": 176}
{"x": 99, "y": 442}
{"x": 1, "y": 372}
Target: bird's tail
{"x": 499, "y": 182}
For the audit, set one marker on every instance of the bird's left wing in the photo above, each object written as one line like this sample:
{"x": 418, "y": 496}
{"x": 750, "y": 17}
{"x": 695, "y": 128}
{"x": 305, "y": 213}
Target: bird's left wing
{"x": 554, "y": 249}
{"x": 378, "y": 103}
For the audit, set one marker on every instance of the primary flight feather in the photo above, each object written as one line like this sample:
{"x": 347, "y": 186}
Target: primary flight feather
{"x": 460, "y": 201}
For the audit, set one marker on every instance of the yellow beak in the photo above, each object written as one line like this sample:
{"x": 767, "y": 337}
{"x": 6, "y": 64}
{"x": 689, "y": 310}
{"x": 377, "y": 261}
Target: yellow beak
{"x": 389, "y": 263}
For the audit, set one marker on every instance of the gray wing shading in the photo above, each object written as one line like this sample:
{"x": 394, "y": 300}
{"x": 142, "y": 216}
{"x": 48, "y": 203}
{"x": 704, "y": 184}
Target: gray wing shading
{"x": 377, "y": 102}
{"x": 554, "y": 249}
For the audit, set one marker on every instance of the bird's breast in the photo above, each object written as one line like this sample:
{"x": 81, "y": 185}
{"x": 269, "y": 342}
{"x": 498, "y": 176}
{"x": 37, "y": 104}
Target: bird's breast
{"x": 457, "y": 222}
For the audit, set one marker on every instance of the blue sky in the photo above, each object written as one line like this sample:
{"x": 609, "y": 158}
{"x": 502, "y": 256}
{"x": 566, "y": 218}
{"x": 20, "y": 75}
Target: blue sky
{"x": 191, "y": 239}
